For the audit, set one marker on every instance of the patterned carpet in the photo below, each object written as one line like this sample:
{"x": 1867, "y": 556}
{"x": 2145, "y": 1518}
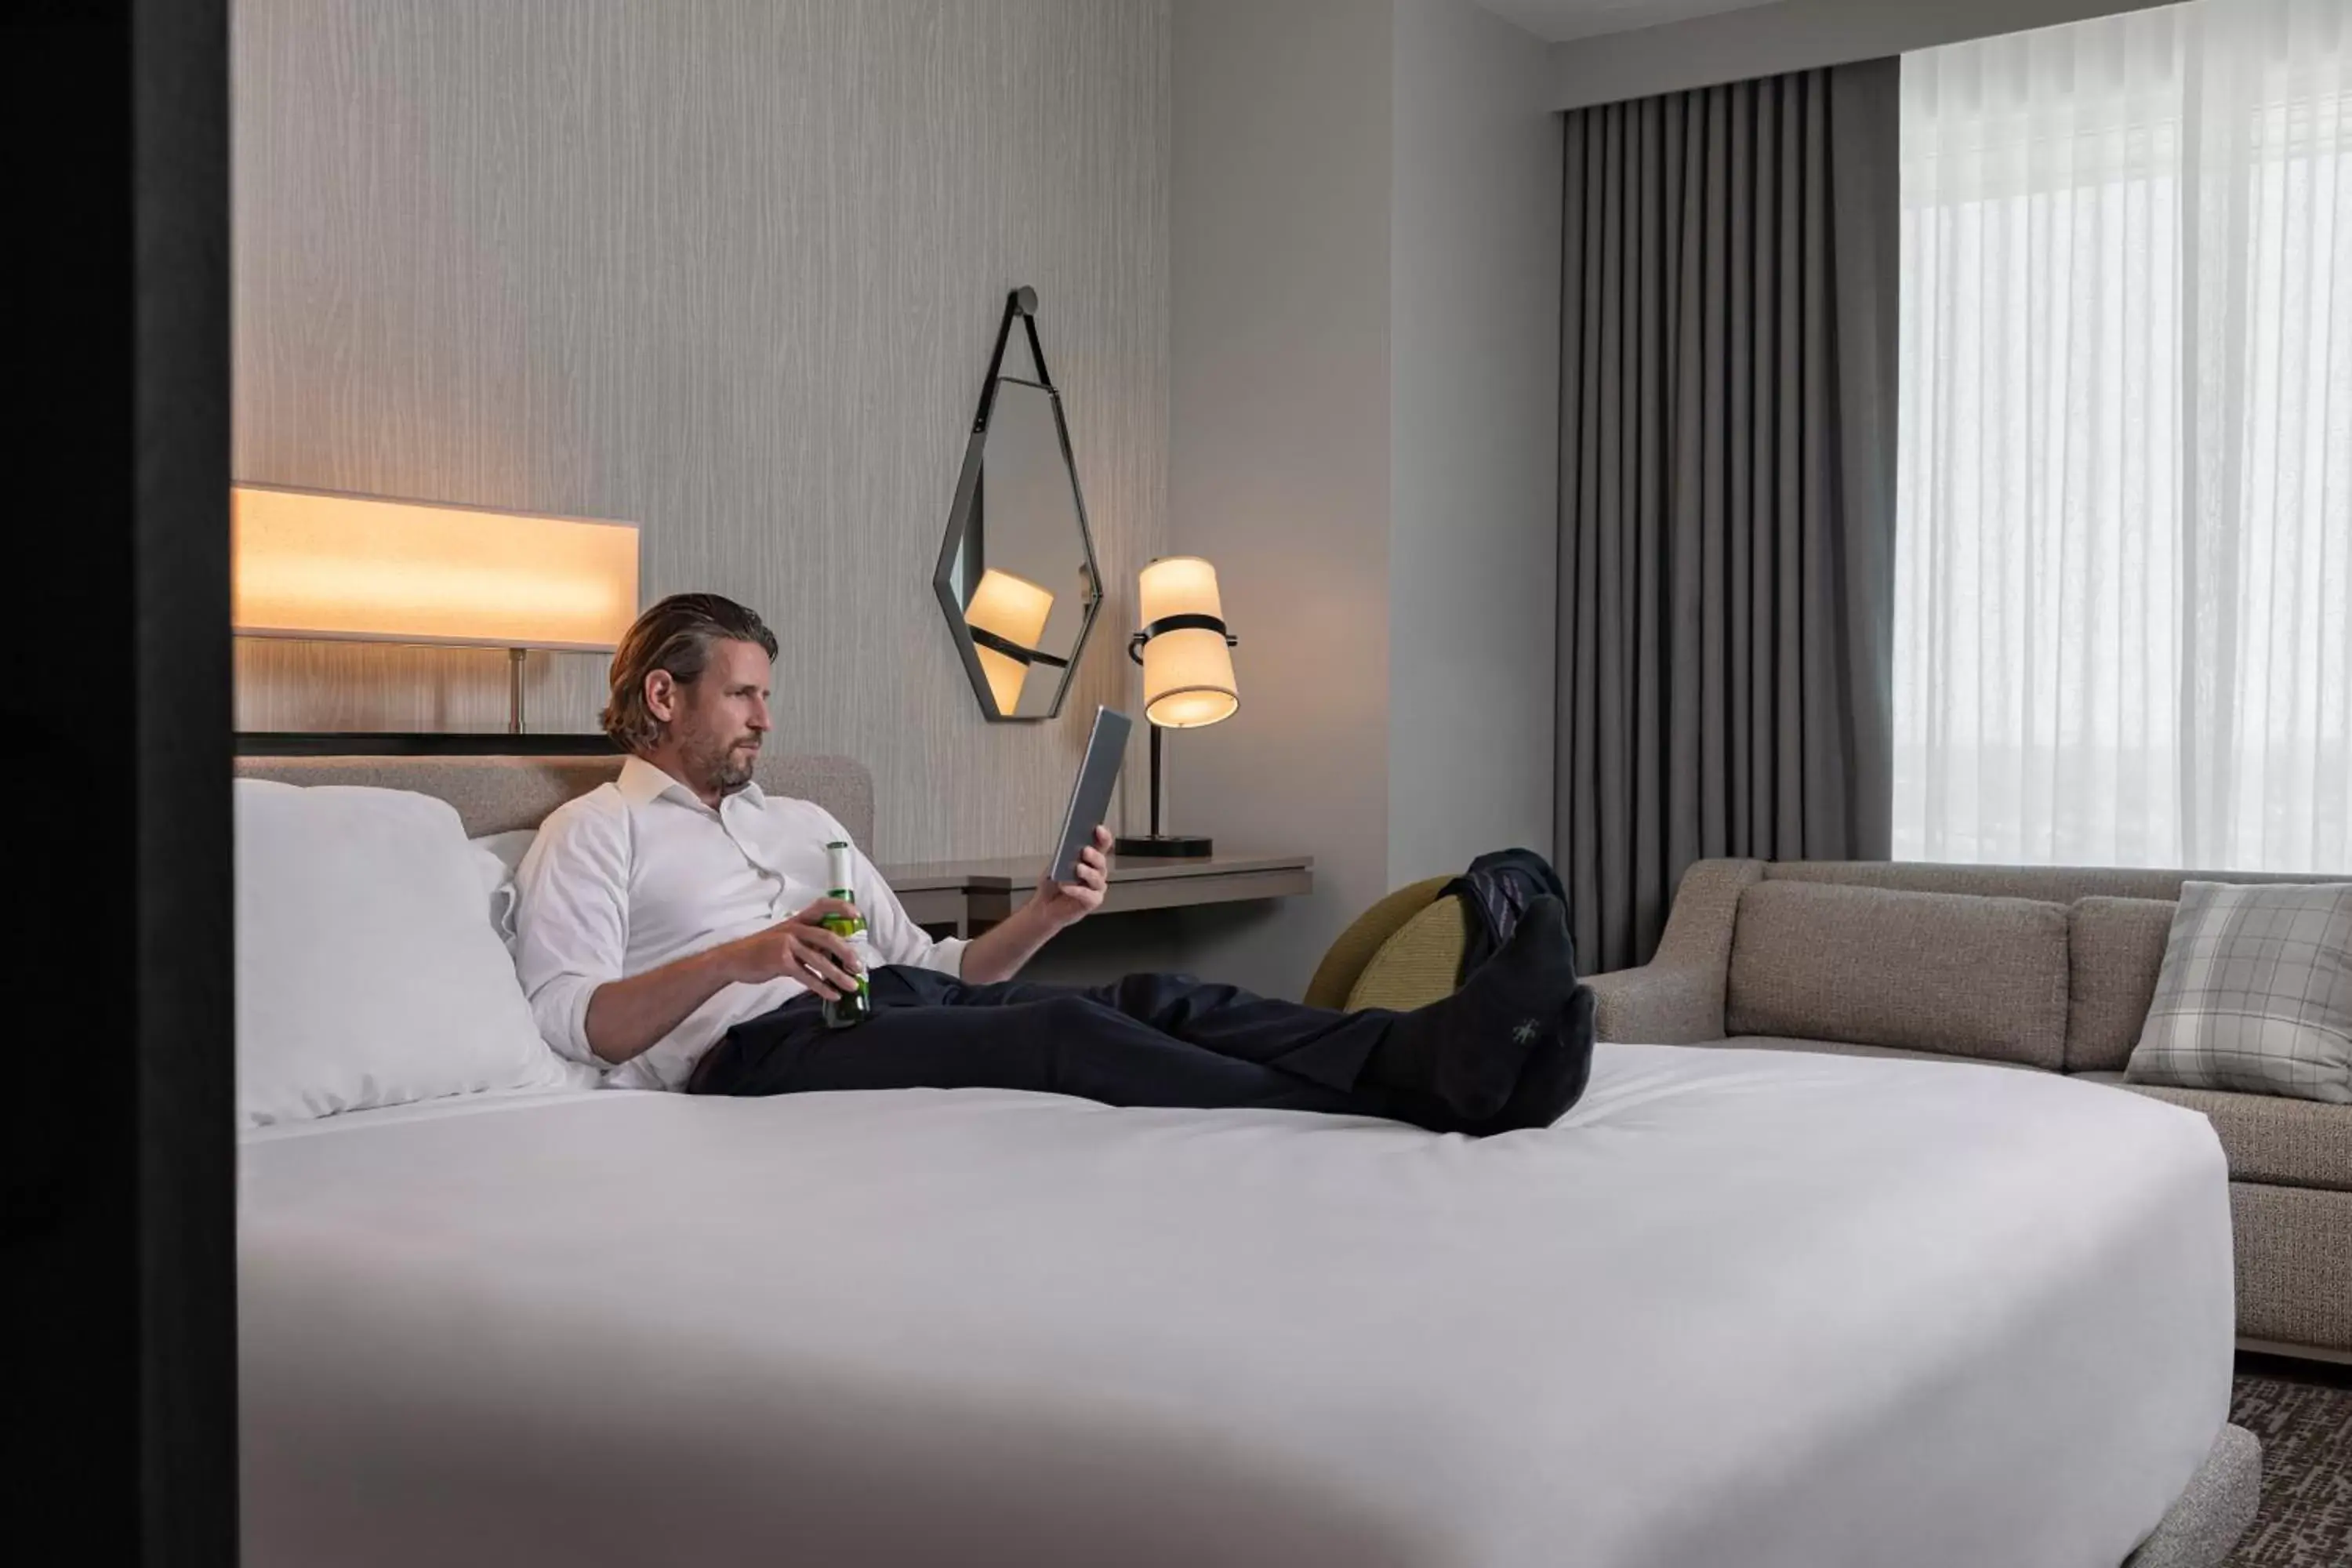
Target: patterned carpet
{"x": 2303, "y": 1416}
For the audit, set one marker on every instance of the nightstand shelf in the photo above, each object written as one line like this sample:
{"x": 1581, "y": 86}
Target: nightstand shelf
{"x": 970, "y": 896}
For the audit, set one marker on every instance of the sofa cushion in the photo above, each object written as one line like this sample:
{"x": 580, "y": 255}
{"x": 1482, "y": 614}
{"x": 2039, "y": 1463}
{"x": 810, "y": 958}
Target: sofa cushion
{"x": 1934, "y": 972}
{"x": 2116, "y": 947}
{"x": 1856, "y": 1049}
{"x": 2255, "y": 995}
{"x": 2286, "y": 1142}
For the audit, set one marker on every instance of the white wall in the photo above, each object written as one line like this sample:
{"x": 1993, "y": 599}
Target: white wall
{"x": 1794, "y": 34}
{"x": 1474, "y": 349}
{"x": 1363, "y": 360}
{"x": 1278, "y": 447}
{"x": 730, "y": 272}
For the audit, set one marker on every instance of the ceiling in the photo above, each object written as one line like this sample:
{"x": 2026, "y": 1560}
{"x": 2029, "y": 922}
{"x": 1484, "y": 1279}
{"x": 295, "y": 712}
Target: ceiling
{"x": 1560, "y": 20}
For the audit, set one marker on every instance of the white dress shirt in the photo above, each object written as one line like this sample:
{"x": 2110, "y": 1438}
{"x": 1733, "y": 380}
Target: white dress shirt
{"x": 638, "y": 873}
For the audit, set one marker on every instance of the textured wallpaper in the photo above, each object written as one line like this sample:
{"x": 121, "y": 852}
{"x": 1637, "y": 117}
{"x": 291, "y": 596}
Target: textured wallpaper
{"x": 730, "y": 271}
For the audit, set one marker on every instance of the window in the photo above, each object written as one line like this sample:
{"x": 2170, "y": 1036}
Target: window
{"x": 2124, "y": 582}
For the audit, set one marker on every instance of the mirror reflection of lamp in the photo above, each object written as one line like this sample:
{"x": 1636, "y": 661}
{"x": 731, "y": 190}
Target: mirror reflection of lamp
{"x": 1188, "y": 673}
{"x": 1007, "y": 615}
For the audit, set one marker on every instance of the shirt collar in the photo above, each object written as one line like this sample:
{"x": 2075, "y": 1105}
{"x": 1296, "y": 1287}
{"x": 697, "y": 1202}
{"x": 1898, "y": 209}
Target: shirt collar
{"x": 641, "y": 783}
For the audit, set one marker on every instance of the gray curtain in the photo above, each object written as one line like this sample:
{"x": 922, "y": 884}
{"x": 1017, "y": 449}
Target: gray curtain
{"x": 1726, "y": 487}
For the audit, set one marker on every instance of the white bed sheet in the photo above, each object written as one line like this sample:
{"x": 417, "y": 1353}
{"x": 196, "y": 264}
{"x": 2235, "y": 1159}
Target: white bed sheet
{"x": 1738, "y": 1307}
{"x": 440, "y": 1109}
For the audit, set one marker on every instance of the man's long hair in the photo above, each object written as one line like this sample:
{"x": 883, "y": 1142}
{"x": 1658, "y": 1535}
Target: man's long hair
{"x": 676, "y": 635}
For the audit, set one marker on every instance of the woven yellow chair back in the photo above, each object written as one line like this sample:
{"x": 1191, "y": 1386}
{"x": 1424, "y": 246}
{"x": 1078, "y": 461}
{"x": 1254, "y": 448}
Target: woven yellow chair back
{"x": 1402, "y": 953}
{"x": 1418, "y": 964}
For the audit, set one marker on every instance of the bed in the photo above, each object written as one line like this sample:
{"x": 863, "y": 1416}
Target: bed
{"x": 1736, "y": 1308}
{"x": 606, "y": 1328}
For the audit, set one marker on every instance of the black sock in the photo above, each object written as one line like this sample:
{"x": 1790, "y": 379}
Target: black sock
{"x": 1554, "y": 1075}
{"x": 1468, "y": 1049}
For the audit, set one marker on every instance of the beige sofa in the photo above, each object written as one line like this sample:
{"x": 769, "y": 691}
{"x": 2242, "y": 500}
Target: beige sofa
{"x": 2041, "y": 968}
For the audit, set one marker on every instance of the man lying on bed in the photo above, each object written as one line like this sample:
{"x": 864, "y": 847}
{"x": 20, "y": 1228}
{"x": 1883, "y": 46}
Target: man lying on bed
{"x": 669, "y": 931}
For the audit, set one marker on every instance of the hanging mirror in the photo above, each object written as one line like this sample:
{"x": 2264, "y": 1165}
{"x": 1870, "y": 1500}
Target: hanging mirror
{"x": 1016, "y": 574}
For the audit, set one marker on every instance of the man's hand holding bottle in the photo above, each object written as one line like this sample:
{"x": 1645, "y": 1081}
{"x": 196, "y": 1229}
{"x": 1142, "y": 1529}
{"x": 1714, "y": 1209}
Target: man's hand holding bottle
{"x": 799, "y": 948}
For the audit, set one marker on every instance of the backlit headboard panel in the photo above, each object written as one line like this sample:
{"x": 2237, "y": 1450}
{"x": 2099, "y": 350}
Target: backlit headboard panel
{"x": 496, "y": 795}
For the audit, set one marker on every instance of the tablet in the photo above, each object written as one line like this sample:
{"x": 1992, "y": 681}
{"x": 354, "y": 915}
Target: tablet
{"x": 1091, "y": 796}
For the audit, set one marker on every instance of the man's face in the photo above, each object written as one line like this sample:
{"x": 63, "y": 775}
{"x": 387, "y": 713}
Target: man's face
{"x": 717, "y": 723}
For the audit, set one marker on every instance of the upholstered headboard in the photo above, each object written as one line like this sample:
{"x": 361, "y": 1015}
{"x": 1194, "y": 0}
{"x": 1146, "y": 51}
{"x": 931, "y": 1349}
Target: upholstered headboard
{"x": 496, "y": 794}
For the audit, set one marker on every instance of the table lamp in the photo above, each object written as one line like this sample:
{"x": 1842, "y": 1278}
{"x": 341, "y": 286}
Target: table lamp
{"x": 1006, "y": 617}
{"x": 315, "y": 564}
{"x": 1188, "y": 673}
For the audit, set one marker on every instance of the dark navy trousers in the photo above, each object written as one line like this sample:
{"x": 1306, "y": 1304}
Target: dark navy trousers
{"x": 1149, "y": 1040}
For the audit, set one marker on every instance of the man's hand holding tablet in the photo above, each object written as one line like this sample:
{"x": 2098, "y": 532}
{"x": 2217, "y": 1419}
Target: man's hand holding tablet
{"x": 1076, "y": 877}
{"x": 1063, "y": 904}
{"x": 1072, "y": 888}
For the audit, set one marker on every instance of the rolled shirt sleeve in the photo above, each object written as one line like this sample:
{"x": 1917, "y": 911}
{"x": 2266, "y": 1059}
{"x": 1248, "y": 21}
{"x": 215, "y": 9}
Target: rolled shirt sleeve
{"x": 572, "y": 928}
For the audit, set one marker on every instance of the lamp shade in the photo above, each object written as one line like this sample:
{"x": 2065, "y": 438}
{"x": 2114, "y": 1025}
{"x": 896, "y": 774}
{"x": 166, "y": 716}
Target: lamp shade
{"x": 1015, "y": 610}
{"x": 308, "y": 563}
{"x": 1188, "y": 672}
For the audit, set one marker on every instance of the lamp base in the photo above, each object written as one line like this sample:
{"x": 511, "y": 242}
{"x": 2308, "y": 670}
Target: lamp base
{"x": 1166, "y": 846}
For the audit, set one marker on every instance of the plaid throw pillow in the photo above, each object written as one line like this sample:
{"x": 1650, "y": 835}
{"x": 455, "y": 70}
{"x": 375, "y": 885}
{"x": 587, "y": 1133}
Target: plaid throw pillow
{"x": 2255, "y": 993}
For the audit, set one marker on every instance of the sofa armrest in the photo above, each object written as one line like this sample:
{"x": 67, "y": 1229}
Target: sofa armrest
{"x": 1677, "y": 998}
{"x": 1658, "y": 1004}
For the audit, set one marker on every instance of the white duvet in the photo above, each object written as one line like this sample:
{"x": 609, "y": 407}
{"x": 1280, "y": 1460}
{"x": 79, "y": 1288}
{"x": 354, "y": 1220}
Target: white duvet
{"x": 1738, "y": 1308}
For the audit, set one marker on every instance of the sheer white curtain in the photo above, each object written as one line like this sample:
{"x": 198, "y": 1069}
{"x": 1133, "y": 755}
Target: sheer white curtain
{"x": 2124, "y": 580}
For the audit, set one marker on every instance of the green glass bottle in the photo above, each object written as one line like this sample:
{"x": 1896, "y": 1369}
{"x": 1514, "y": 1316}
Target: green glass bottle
{"x": 847, "y": 1012}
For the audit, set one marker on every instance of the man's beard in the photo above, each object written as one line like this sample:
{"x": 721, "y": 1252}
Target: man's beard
{"x": 727, "y": 768}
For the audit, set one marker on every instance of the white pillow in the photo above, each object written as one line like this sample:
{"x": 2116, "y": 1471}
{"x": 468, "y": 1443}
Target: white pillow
{"x": 496, "y": 858}
{"x": 365, "y": 974}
